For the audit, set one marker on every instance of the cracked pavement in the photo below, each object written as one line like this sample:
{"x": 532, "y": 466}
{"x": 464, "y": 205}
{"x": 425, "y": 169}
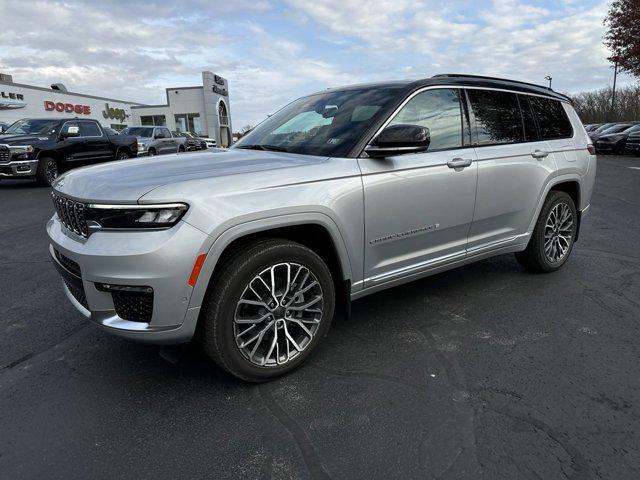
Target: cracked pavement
{"x": 483, "y": 372}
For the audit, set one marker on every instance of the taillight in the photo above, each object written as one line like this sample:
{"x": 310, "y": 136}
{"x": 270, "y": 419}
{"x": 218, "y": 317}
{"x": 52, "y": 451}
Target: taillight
{"x": 591, "y": 149}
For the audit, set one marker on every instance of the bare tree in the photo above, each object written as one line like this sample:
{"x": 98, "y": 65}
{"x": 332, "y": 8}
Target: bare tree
{"x": 595, "y": 106}
{"x": 623, "y": 35}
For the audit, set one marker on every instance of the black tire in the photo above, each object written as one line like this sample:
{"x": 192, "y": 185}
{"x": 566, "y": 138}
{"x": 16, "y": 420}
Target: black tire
{"x": 47, "y": 171}
{"x": 122, "y": 155}
{"x": 227, "y": 288}
{"x": 151, "y": 152}
{"x": 534, "y": 258}
{"x": 180, "y": 149}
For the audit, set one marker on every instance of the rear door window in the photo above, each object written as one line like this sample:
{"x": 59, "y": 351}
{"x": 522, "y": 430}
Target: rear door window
{"x": 497, "y": 116}
{"x": 551, "y": 118}
{"x": 439, "y": 110}
{"x": 90, "y": 129}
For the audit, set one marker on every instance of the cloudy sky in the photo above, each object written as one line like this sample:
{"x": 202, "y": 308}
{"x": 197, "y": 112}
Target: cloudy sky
{"x": 274, "y": 51}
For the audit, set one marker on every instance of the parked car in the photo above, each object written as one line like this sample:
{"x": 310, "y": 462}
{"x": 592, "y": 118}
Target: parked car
{"x": 110, "y": 131}
{"x": 155, "y": 140}
{"x": 192, "y": 141}
{"x": 42, "y": 148}
{"x": 608, "y": 128}
{"x": 632, "y": 145}
{"x": 615, "y": 143}
{"x": 338, "y": 195}
{"x": 210, "y": 142}
{"x": 592, "y": 126}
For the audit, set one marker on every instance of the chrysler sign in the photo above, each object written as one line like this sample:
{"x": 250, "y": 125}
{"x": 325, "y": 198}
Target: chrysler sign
{"x": 11, "y": 101}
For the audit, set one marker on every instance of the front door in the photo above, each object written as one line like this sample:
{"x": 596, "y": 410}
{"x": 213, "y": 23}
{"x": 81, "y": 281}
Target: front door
{"x": 419, "y": 207}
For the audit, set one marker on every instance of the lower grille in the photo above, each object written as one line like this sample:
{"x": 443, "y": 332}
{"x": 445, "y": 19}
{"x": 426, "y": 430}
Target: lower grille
{"x": 78, "y": 294}
{"x": 69, "y": 264}
{"x": 6, "y": 170}
{"x": 133, "y": 306}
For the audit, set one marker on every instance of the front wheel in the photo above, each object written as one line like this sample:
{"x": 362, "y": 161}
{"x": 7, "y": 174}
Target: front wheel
{"x": 269, "y": 307}
{"x": 553, "y": 236}
{"x": 180, "y": 149}
{"x": 122, "y": 156}
{"x": 47, "y": 171}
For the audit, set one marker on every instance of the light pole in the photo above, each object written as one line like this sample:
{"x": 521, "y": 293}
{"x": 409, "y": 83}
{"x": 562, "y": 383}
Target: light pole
{"x": 613, "y": 94}
{"x": 549, "y": 77}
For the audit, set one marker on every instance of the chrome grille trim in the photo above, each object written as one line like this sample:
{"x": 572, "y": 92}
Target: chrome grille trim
{"x": 71, "y": 214}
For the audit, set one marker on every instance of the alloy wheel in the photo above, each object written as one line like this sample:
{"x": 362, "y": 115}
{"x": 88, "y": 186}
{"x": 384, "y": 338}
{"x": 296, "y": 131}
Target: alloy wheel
{"x": 51, "y": 170}
{"x": 558, "y": 232}
{"x": 278, "y": 314}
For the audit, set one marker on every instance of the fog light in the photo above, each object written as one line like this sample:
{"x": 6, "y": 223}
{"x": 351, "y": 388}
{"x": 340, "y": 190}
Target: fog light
{"x": 109, "y": 287}
{"x": 23, "y": 168}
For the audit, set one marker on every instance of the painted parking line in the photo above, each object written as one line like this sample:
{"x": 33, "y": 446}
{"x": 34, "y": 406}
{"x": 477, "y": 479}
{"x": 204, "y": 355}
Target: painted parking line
{"x": 634, "y": 168}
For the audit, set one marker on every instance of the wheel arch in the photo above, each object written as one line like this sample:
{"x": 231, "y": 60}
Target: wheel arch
{"x": 570, "y": 184}
{"x": 316, "y": 231}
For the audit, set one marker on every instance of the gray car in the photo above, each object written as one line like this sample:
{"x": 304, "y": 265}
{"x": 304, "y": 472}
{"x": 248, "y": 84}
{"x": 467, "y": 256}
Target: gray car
{"x": 338, "y": 195}
{"x": 155, "y": 140}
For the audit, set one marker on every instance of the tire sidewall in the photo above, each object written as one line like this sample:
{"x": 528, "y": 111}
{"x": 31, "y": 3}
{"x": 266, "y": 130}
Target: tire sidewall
{"x": 224, "y": 315}
{"x": 555, "y": 199}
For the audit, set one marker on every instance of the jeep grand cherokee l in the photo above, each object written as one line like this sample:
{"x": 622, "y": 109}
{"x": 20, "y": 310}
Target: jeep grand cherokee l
{"x": 336, "y": 196}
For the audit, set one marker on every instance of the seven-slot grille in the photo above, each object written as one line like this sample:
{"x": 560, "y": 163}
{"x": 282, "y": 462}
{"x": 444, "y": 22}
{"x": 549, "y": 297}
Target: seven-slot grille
{"x": 5, "y": 154}
{"x": 71, "y": 214}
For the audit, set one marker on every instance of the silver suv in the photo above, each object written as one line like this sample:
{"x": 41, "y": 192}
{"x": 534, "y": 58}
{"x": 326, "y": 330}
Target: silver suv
{"x": 336, "y": 196}
{"x": 156, "y": 140}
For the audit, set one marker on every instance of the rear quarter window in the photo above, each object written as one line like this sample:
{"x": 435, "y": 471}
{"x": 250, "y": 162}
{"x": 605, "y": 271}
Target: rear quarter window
{"x": 497, "y": 116}
{"x": 552, "y": 120}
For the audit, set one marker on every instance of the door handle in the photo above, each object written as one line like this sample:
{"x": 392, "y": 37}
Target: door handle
{"x": 459, "y": 163}
{"x": 539, "y": 154}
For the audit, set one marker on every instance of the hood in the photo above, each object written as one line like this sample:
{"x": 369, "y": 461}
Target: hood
{"x": 22, "y": 139}
{"x": 128, "y": 180}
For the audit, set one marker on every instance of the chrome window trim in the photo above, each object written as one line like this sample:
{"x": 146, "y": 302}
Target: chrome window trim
{"x": 461, "y": 87}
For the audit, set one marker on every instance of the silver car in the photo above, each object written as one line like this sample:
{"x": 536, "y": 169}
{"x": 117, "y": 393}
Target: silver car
{"x": 156, "y": 140}
{"x": 338, "y": 195}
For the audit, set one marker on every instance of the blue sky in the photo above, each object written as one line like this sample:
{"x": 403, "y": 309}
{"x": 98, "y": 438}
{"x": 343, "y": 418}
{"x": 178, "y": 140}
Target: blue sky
{"x": 273, "y": 52}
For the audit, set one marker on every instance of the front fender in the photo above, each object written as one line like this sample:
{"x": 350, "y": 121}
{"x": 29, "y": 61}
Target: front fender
{"x": 224, "y": 239}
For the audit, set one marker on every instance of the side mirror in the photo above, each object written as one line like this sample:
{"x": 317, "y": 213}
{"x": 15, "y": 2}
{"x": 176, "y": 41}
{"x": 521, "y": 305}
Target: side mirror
{"x": 71, "y": 132}
{"x": 398, "y": 140}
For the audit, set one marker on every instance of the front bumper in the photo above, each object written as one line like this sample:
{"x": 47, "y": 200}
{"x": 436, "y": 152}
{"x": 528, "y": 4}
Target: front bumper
{"x": 162, "y": 260}
{"x": 19, "y": 168}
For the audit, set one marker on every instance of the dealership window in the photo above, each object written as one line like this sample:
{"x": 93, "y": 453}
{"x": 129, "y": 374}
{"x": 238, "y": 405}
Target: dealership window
{"x": 189, "y": 122}
{"x": 150, "y": 120}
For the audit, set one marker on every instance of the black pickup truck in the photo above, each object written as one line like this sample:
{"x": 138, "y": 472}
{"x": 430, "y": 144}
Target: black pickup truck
{"x": 43, "y": 148}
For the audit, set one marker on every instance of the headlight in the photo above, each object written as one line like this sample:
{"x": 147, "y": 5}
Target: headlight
{"x": 135, "y": 216}
{"x": 141, "y": 146}
{"x": 21, "y": 151}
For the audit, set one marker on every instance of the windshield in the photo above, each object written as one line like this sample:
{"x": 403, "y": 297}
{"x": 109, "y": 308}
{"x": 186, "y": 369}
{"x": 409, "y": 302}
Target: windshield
{"x": 32, "y": 127}
{"x": 144, "y": 132}
{"x": 327, "y": 124}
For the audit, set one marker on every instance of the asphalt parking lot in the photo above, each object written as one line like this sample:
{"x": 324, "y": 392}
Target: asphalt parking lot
{"x": 483, "y": 372}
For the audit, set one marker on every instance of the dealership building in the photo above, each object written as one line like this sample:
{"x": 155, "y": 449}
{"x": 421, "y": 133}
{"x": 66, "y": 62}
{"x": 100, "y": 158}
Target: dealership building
{"x": 203, "y": 109}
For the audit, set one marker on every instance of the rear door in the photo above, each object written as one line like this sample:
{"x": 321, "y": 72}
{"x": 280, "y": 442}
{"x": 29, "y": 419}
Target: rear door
{"x": 513, "y": 166}
{"x": 97, "y": 146}
{"x": 418, "y": 207}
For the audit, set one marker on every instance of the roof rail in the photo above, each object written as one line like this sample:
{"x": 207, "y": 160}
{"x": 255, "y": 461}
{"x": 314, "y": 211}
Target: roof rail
{"x": 465, "y": 75}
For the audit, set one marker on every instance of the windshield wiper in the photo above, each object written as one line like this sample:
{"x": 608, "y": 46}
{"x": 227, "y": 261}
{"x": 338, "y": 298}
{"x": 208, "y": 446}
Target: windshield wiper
{"x": 273, "y": 148}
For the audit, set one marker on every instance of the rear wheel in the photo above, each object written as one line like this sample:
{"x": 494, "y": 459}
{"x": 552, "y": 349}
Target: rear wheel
{"x": 270, "y": 306}
{"x": 554, "y": 234}
{"x": 47, "y": 171}
{"x": 151, "y": 152}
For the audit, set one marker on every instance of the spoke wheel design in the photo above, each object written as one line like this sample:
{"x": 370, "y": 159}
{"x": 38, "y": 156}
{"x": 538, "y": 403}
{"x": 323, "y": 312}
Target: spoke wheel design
{"x": 51, "y": 170}
{"x": 558, "y": 232}
{"x": 278, "y": 314}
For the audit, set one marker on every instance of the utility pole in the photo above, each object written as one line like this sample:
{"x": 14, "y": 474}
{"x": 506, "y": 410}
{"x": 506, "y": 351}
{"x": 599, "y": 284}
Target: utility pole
{"x": 549, "y": 77}
{"x": 613, "y": 95}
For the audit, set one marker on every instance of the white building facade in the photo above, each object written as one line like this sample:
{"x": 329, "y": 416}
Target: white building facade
{"x": 204, "y": 110}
